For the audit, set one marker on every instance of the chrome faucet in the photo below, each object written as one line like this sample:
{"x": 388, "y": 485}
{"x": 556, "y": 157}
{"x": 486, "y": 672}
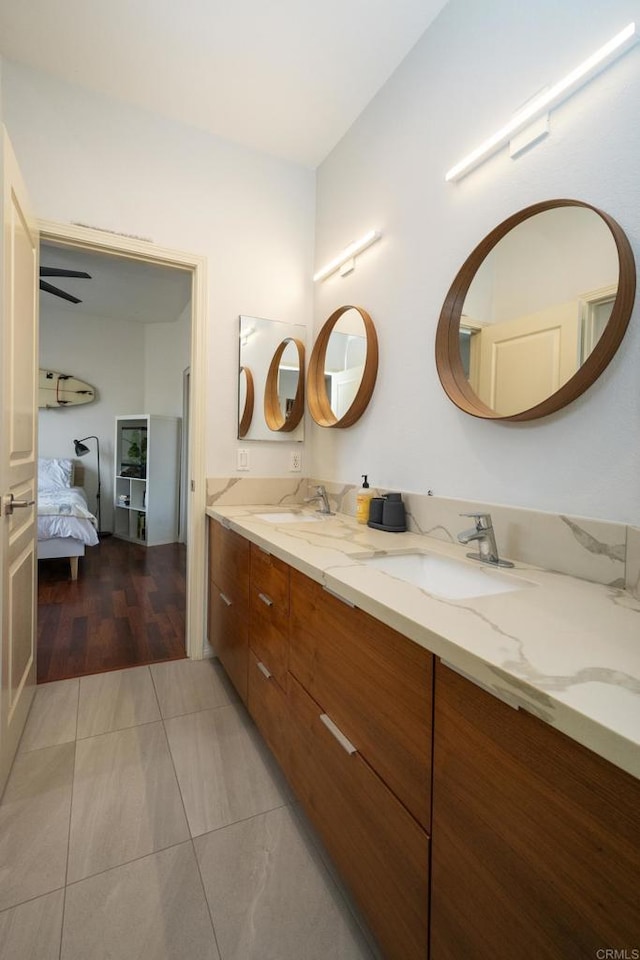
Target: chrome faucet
{"x": 321, "y": 494}
{"x": 483, "y": 533}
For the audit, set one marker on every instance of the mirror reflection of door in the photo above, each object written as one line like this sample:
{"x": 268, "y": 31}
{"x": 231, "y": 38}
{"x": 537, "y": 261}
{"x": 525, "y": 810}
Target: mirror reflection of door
{"x": 288, "y": 379}
{"x": 344, "y": 361}
{"x": 596, "y": 310}
{"x": 526, "y": 359}
{"x": 537, "y": 307}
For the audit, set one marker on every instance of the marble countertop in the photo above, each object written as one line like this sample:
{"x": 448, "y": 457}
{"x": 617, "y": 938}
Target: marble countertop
{"x": 563, "y": 649}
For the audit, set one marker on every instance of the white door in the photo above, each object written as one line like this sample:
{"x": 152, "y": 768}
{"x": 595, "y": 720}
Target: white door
{"x": 344, "y": 386}
{"x": 18, "y": 346}
{"x": 522, "y": 361}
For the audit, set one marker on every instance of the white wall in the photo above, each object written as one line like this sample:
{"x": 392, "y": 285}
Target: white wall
{"x": 552, "y": 258}
{"x": 90, "y": 159}
{"x": 167, "y": 349}
{"x": 469, "y": 72}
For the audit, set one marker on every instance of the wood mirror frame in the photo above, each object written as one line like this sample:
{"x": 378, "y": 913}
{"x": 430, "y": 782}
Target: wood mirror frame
{"x": 448, "y": 360}
{"x": 317, "y": 399}
{"x": 247, "y": 413}
{"x": 273, "y": 415}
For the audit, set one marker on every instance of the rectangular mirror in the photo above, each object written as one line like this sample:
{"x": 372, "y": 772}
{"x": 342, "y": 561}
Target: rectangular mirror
{"x": 259, "y": 341}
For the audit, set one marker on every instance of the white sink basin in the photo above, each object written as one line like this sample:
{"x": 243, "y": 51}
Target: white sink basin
{"x": 289, "y": 517}
{"x": 443, "y": 577}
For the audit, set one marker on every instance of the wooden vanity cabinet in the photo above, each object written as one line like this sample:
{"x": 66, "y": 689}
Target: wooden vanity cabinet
{"x": 533, "y": 840}
{"x": 536, "y": 840}
{"x": 268, "y": 650}
{"x": 382, "y": 853}
{"x": 269, "y": 612}
{"x": 267, "y": 703}
{"x": 360, "y": 697}
{"x": 229, "y": 602}
{"x": 375, "y": 684}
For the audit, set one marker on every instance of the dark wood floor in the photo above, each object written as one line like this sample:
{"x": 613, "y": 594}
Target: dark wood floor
{"x": 126, "y": 608}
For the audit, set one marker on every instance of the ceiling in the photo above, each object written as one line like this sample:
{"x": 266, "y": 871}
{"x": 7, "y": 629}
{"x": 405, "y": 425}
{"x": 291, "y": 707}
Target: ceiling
{"x": 118, "y": 288}
{"x": 287, "y": 77}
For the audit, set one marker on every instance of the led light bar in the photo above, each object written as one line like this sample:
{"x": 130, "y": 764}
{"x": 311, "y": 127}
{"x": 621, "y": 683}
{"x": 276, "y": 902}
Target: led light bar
{"x": 347, "y": 254}
{"x": 553, "y": 95}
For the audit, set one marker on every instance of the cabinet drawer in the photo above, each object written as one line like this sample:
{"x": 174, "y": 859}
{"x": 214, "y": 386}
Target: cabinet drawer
{"x": 270, "y": 588}
{"x": 269, "y": 708}
{"x": 380, "y": 850}
{"x": 229, "y": 562}
{"x": 269, "y": 645}
{"x": 374, "y": 683}
{"x": 229, "y": 637}
{"x": 269, "y": 613}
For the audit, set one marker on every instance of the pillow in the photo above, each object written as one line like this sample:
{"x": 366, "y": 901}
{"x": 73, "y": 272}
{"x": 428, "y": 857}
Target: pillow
{"x": 54, "y": 474}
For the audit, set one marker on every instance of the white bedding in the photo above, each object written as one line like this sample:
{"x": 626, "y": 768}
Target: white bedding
{"x": 64, "y": 513}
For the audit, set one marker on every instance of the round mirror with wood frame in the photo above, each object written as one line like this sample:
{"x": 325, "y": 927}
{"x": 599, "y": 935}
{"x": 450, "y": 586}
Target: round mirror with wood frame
{"x": 317, "y": 398}
{"x": 460, "y": 385}
{"x": 247, "y": 408}
{"x": 278, "y": 420}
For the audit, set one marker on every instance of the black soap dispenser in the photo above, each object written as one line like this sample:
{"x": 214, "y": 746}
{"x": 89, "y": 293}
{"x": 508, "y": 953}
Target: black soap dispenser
{"x": 388, "y": 513}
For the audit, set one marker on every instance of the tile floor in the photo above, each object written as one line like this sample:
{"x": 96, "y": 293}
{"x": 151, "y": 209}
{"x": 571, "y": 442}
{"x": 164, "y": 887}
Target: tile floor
{"x": 145, "y": 818}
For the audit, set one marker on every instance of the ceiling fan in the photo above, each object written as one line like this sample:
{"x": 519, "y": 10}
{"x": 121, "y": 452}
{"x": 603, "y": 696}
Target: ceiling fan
{"x": 60, "y": 272}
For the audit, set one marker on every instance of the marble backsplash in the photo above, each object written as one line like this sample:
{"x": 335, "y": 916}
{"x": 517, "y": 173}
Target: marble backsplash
{"x": 633, "y": 561}
{"x": 598, "y": 550}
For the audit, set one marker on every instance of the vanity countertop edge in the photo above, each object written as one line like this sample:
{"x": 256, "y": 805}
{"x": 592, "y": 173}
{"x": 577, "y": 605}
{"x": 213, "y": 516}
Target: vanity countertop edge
{"x": 563, "y": 649}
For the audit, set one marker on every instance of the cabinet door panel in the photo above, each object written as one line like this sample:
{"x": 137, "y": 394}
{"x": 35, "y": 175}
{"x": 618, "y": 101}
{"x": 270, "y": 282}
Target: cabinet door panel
{"x": 267, "y": 704}
{"x": 229, "y": 637}
{"x": 229, "y": 562}
{"x": 269, "y": 623}
{"x": 536, "y": 840}
{"x": 380, "y": 850}
{"x": 270, "y": 577}
{"x": 375, "y": 684}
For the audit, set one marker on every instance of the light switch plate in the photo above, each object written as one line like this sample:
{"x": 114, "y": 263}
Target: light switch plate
{"x": 243, "y": 460}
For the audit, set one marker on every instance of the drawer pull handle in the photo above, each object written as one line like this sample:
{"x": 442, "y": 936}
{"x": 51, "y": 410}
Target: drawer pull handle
{"x": 264, "y": 670}
{"x": 498, "y": 695}
{"x": 265, "y": 599}
{"x": 338, "y": 597}
{"x": 225, "y": 599}
{"x": 338, "y": 734}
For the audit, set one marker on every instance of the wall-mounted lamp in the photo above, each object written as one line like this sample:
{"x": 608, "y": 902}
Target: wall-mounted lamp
{"x": 345, "y": 262}
{"x": 541, "y": 103}
{"x": 245, "y": 335}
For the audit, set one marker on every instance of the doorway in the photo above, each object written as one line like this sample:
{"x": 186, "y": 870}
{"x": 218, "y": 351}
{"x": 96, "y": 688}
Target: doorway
{"x": 191, "y": 553}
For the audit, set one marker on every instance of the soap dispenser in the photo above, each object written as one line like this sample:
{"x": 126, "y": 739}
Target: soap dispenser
{"x": 363, "y": 500}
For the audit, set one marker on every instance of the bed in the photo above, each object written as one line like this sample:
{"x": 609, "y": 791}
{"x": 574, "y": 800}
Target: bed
{"x": 65, "y": 524}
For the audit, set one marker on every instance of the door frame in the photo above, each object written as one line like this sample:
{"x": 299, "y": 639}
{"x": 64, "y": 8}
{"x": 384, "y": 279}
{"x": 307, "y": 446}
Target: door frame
{"x": 185, "y": 436}
{"x": 131, "y": 248}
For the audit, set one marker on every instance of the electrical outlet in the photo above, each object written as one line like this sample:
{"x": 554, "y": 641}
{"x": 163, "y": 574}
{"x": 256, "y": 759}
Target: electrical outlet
{"x": 295, "y": 461}
{"x": 243, "y": 460}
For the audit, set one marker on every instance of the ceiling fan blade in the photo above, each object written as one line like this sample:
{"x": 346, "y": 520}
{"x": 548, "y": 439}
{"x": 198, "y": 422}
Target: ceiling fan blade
{"x": 48, "y": 288}
{"x": 61, "y": 272}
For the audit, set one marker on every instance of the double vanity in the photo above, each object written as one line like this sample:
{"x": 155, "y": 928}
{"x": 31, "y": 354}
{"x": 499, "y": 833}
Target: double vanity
{"x": 465, "y": 739}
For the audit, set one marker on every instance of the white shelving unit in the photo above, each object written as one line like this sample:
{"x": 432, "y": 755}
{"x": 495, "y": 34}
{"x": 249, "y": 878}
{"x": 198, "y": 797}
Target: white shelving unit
{"x": 147, "y": 477}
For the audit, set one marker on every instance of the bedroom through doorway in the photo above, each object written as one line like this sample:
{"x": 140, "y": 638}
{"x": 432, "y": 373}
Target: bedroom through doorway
{"x": 120, "y": 334}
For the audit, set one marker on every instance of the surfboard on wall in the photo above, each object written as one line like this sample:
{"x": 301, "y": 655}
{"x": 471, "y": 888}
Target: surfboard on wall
{"x": 63, "y": 390}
